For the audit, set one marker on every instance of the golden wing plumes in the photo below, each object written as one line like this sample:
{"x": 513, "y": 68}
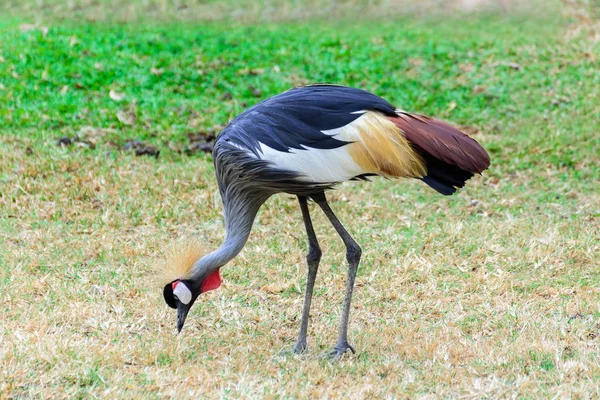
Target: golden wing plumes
{"x": 380, "y": 147}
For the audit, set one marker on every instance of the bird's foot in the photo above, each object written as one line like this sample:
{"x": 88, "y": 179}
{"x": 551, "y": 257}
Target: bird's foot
{"x": 339, "y": 350}
{"x": 300, "y": 347}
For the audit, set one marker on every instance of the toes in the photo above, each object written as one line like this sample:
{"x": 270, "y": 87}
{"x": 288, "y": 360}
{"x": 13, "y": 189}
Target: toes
{"x": 339, "y": 350}
{"x": 300, "y": 348}
{"x": 335, "y": 354}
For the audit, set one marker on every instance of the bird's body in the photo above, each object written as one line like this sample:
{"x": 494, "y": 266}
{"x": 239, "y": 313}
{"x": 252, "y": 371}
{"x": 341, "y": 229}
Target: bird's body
{"x": 307, "y": 140}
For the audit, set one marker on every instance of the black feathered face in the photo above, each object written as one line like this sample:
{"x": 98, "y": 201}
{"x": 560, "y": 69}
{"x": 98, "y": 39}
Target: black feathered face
{"x": 180, "y": 295}
{"x": 168, "y": 295}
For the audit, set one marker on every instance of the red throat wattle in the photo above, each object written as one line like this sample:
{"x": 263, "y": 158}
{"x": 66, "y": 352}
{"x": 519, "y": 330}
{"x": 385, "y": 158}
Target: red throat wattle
{"x": 211, "y": 282}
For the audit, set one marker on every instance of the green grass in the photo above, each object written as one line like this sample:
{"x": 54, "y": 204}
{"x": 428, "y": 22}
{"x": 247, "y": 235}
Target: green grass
{"x": 489, "y": 293}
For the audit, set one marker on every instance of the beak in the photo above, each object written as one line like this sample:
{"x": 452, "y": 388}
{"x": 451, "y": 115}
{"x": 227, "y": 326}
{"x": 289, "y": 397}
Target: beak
{"x": 182, "y": 312}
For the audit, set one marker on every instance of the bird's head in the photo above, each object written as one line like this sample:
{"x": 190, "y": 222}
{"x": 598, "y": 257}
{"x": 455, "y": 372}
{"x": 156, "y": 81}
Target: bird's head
{"x": 181, "y": 294}
{"x": 184, "y": 287}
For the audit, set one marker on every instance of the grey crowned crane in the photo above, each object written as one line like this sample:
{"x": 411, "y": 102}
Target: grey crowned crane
{"x": 304, "y": 142}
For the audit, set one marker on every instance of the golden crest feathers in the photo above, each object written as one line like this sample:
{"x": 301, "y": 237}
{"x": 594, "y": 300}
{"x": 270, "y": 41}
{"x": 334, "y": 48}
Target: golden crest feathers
{"x": 179, "y": 264}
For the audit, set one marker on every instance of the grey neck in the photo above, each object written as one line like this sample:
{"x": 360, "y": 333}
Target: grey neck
{"x": 239, "y": 211}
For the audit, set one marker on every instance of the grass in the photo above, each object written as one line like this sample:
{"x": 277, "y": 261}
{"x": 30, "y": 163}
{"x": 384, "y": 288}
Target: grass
{"x": 490, "y": 293}
{"x": 249, "y": 11}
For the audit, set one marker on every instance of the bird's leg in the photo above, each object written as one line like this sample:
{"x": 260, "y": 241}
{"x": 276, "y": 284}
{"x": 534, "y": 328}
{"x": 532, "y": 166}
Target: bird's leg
{"x": 312, "y": 258}
{"x": 353, "y": 252}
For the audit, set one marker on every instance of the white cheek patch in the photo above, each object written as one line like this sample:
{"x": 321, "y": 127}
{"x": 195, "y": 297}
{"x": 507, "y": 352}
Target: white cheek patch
{"x": 183, "y": 293}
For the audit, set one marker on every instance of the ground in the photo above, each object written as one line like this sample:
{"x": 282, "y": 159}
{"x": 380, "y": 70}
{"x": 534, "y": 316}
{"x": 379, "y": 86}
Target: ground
{"x": 493, "y": 292}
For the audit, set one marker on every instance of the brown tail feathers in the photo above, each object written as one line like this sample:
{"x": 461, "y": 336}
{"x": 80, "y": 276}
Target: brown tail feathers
{"x": 451, "y": 156}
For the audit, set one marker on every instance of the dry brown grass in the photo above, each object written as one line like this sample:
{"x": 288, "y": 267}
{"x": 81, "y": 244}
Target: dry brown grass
{"x": 456, "y": 297}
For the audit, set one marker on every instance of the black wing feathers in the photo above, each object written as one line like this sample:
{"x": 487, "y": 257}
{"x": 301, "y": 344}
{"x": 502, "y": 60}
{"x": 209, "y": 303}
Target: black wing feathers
{"x": 295, "y": 119}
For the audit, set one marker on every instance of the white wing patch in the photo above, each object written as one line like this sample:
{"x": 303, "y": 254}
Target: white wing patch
{"x": 375, "y": 146}
{"x": 322, "y": 165}
{"x": 315, "y": 165}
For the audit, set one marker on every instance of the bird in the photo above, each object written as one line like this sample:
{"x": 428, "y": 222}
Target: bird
{"x": 304, "y": 142}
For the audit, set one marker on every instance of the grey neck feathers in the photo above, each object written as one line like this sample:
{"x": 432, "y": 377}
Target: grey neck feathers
{"x": 239, "y": 210}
